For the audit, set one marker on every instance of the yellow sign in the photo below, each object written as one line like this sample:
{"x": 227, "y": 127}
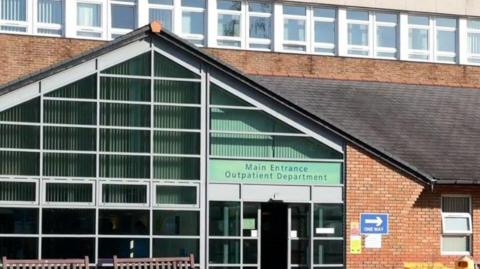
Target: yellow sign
{"x": 424, "y": 265}
{"x": 355, "y": 244}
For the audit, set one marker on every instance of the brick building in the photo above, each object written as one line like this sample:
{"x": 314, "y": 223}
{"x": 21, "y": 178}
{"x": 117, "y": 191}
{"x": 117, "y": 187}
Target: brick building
{"x": 254, "y": 141}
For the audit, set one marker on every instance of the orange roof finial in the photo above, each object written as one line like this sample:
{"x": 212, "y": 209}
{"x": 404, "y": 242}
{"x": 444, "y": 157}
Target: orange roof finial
{"x": 156, "y": 26}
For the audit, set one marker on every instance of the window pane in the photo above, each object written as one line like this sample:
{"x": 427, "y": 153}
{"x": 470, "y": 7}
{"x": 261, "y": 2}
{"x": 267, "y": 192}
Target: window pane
{"x": 18, "y": 221}
{"x": 164, "y": 16}
{"x": 229, "y": 5}
{"x": 85, "y": 88}
{"x": 224, "y": 251}
{"x": 125, "y": 115}
{"x": 68, "y": 221}
{"x": 228, "y": 25}
{"x": 126, "y": 89}
{"x": 25, "y": 112}
{"x": 119, "y": 140}
{"x": 68, "y": 248}
{"x": 418, "y": 20}
{"x": 456, "y": 243}
{"x": 176, "y": 168}
{"x": 324, "y": 12}
{"x": 67, "y": 112}
{"x": 358, "y": 34}
{"x": 69, "y": 165}
{"x": 123, "y": 248}
{"x": 13, "y": 10}
{"x": 177, "y": 117}
{"x": 124, "y": 194}
{"x": 474, "y": 43}
{"x": 69, "y": 193}
{"x": 185, "y": 92}
{"x": 294, "y": 10}
{"x": 418, "y": 39}
{"x": 124, "y": 222}
{"x": 64, "y": 138}
{"x": 124, "y": 166}
{"x": 328, "y": 252}
{"x": 19, "y": 247}
{"x": 219, "y": 96}
{"x": 456, "y": 224}
{"x": 50, "y": 11}
{"x": 328, "y": 220}
{"x": 19, "y": 163}
{"x": 446, "y": 41}
{"x": 260, "y": 27}
{"x": 473, "y": 24}
{"x": 451, "y": 204}
{"x": 260, "y": 7}
{"x": 176, "y": 248}
{"x": 387, "y": 37}
{"x": 300, "y": 252}
{"x": 89, "y": 14}
{"x": 386, "y": 17}
{"x": 225, "y": 218}
{"x": 192, "y": 22}
{"x": 138, "y": 66}
{"x": 164, "y": 67}
{"x": 19, "y": 136}
{"x": 17, "y": 191}
{"x": 357, "y": 15}
{"x": 324, "y": 32}
{"x": 179, "y": 195}
{"x": 123, "y": 16}
{"x": 446, "y": 22}
{"x": 250, "y": 251}
{"x": 294, "y": 30}
{"x": 193, "y": 3}
{"x": 176, "y": 142}
{"x": 161, "y": 2}
{"x": 176, "y": 222}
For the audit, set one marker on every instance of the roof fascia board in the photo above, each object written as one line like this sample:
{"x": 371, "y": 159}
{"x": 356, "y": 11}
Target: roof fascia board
{"x": 189, "y": 62}
{"x": 68, "y": 76}
{"x": 19, "y": 96}
{"x": 122, "y": 54}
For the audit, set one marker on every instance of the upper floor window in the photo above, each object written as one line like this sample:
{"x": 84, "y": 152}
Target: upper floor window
{"x": 386, "y": 35}
{"x": 162, "y": 11}
{"x": 473, "y": 34}
{"x": 358, "y": 32}
{"x": 259, "y": 25}
{"x": 193, "y": 23}
{"x": 324, "y": 29}
{"x": 229, "y": 14}
{"x": 123, "y": 17}
{"x": 49, "y": 17}
{"x": 294, "y": 28}
{"x": 13, "y": 15}
{"x": 456, "y": 225}
{"x": 89, "y": 19}
{"x": 432, "y": 38}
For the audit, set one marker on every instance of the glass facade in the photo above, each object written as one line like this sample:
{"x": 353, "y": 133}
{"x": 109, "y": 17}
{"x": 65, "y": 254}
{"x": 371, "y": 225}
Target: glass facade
{"x": 116, "y": 163}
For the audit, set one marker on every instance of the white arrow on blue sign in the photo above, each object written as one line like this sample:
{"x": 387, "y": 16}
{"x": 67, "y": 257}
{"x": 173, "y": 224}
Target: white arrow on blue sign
{"x": 374, "y": 223}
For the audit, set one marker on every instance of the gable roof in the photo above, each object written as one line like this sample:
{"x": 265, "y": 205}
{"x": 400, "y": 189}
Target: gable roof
{"x": 348, "y": 109}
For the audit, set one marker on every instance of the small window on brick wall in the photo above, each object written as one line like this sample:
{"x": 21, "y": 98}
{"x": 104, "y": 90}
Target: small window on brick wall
{"x": 456, "y": 225}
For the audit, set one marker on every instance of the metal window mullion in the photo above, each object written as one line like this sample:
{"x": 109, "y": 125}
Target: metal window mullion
{"x": 289, "y": 237}
{"x": 312, "y": 228}
{"x": 40, "y": 190}
{"x": 152, "y": 149}
{"x": 202, "y": 187}
{"x": 97, "y": 197}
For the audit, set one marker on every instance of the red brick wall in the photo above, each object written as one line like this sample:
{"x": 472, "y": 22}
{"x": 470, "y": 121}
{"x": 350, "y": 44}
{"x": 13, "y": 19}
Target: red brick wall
{"x": 415, "y": 214}
{"x": 21, "y": 55}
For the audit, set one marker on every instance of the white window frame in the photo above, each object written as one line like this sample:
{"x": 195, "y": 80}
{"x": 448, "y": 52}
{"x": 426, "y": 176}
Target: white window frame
{"x": 305, "y": 18}
{"x": 122, "y": 205}
{"x": 199, "y": 38}
{"x": 23, "y": 24}
{"x": 180, "y": 184}
{"x": 21, "y": 180}
{"x": 121, "y": 31}
{"x": 73, "y": 204}
{"x": 258, "y": 41}
{"x": 324, "y": 45}
{"x": 90, "y": 29}
{"x": 467, "y": 234}
{"x": 430, "y": 44}
{"x": 376, "y": 48}
{"x": 48, "y": 26}
{"x": 436, "y": 52}
{"x": 369, "y": 24}
{"x": 171, "y": 8}
{"x": 472, "y": 56}
{"x": 241, "y": 15}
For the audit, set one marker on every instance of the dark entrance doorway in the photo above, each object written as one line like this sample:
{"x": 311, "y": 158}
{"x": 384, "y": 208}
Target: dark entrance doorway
{"x": 274, "y": 234}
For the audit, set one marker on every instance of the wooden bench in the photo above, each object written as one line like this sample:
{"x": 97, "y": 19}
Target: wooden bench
{"x": 46, "y": 264}
{"x": 154, "y": 263}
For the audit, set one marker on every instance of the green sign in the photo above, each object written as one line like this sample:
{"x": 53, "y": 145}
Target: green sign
{"x": 264, "y": 172}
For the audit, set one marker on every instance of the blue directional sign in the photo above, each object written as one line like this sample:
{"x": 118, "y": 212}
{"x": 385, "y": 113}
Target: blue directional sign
{"x": 373, "y": 223}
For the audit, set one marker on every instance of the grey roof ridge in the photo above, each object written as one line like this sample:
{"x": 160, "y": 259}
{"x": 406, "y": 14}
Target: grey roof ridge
{"x": 168, "y": 36}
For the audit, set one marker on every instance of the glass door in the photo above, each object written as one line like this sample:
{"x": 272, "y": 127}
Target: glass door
{"x": 299, "y": 236}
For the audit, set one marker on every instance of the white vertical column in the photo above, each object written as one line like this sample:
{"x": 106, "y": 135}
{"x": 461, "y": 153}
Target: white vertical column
{"x": 70, "y": 18}
{"x": 310, "y": 34}
{"x": 244, "y": 25}
{"x": 106, "y": 20}
{"x": 342, "y": 33}
{"x": 177, "y": 17}
{"x": 142, "y": 13}
{"x": 403, "y": 36}
{"x": 277, "y": 17}
{"x": 211, "y": 29}
{"x": 32, "y": 13}
{"x": 462, "y": 44}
